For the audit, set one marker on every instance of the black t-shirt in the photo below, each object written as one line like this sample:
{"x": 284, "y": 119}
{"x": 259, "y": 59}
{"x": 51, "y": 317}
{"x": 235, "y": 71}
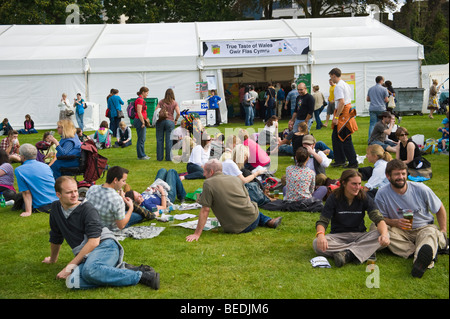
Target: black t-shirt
{"x": 345, "y": 218}
{"x": 304, "y": 105}
{"x": 83, "y": 222}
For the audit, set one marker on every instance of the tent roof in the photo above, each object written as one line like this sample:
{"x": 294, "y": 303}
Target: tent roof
{"x": 60, "y": 49}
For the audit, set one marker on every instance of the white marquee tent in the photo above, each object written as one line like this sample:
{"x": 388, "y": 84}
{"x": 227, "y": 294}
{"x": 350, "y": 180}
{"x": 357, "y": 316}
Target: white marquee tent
{"x": 40, "y": 62}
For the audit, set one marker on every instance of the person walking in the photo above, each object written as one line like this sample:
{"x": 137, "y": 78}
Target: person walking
{"x": 140, "y": 122}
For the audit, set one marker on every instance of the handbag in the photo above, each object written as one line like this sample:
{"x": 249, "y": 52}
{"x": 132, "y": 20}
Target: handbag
{"x": 69, "y": 112}
{"x": 120, "y": 114}
{"x": 147, "y": 122}
{"x": 391, "y": 102}
{"x": 163, "y": 113}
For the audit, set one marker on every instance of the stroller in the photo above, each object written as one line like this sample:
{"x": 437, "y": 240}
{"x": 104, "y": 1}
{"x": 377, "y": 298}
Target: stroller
{"x": 193, "y": 124}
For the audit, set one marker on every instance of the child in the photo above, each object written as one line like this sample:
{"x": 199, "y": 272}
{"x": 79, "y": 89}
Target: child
{"x": 83, "y": 137}
{"x": 102, "y": 137}
{"x": 123, "y": 135}
{"x": 46, "y": 150}
{"x": 445, "y": 135}
{"x": 28, "y": 126}
{"x": 5, "y": 127}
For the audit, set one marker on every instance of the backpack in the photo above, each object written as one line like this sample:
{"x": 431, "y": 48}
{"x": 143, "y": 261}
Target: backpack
{"x": 131, "y": 110}
{"x": 93, "y": 163}
{"x": 163, "y": 113}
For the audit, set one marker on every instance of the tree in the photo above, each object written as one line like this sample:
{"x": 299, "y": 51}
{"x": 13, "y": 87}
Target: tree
{"x": 47, "y": 11}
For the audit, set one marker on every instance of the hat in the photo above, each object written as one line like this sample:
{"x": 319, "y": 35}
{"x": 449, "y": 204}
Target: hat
{"x": 384, "y": 114}
{"x": 309, "y": 139}
{"x": 445, "y": 121}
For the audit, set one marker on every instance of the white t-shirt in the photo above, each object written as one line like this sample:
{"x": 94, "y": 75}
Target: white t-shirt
{"x": 64, "y": 104}
{"x": 199, "y": 155}
{"x": 229, "y": 167}
{"x": 342, "y": 91}
{"x": 179, "y": 133}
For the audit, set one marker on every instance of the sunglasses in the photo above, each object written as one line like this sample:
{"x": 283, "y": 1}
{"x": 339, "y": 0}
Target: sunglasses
{"x": 403, "y": 134}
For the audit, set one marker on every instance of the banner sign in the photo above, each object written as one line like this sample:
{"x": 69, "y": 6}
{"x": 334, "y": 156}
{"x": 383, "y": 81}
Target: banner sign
{"x": 255, "y": 48}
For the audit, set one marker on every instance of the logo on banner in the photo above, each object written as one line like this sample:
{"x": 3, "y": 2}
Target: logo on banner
{"x": 215, "y": 49}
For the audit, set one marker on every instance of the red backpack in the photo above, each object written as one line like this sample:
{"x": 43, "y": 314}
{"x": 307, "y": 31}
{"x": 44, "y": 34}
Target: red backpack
{"x": 94, "y": 164}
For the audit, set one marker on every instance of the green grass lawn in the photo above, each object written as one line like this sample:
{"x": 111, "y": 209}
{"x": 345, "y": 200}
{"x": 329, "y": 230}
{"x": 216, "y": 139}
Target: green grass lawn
{"x": 263, "y": 264}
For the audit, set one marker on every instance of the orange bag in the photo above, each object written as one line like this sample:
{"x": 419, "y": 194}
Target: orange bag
{"x": 347, "y": 123}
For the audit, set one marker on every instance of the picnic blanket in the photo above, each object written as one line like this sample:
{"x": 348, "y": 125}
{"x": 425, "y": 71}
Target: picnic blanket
{"x": 305, "y": 205}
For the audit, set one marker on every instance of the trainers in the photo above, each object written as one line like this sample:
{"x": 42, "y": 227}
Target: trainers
{"x": 351, "y": 166}
{"x": 144, "y": 158}
{"x": 423, "y": 260}
{"x": 343, "y": 257}
{"x": 274, "y": 222}
{"x": 150, "y": 279}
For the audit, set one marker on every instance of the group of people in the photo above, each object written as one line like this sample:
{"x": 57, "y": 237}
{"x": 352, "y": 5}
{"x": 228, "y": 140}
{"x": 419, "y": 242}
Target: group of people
{"x": 88, "y": 225}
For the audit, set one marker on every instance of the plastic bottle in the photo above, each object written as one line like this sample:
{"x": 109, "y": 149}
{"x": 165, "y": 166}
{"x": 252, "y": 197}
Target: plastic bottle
{"x": 166, "y": 210}
{"x": 2, "y": 200}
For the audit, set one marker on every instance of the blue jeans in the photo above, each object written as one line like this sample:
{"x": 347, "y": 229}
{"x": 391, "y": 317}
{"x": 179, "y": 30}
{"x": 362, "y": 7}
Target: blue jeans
{"x": 249, "y": 115}
{"x": 194, "y": 171}
{"x": 114, "y": 124}
{"x": 80, "y": 122}
{"x": 260, "y": 221}
{"x": 141, "y": 136}
{"x": 269, "y": 112}
{"x": 163, "y": 130}
{"x": 321, "y": 146}
{"x": 30, "y": 131}
{"x": 317, "y": 117}
{"x": 134, "y": 219}
{"x": 373, "y": 120}
{"x": 176, "y": 186}
{"x": 297, "y": 122}
{"x": 99, "y": 269}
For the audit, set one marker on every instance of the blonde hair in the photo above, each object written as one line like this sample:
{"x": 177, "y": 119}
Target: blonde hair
{"x": 240, "y": 155}
{"x": 379, "y": 152}
{"x": 68, "y": 129}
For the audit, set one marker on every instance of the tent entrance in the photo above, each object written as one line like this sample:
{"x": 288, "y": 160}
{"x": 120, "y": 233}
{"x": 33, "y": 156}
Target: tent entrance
{"x": 235, "y": 80}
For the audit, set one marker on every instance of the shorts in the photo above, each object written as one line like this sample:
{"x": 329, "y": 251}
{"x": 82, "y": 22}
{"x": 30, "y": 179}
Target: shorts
{"x": 330, "y": 108}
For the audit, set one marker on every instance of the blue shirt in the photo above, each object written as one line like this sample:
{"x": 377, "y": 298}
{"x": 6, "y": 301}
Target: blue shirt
{"x": 151, "y": 201}
{"x": 377, "y": 94}
{"x": 80, "y": 108}
{"x": 37, "y": 178}
{"x": 114, "y": 103}
{"x": 292, "y": 97}
{"x": 213, "y": 101}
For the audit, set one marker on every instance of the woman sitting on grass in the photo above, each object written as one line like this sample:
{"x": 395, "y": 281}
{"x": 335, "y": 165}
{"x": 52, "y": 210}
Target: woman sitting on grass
{"x": 379, "y": 157}
{"x": 301, "y": 180}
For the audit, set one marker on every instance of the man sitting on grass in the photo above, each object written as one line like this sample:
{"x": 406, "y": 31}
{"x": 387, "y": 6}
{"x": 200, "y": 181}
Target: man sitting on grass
{"x": 98, "y": 257}
{"x": 230, "y": 202}
{"x": 420, "y": 236}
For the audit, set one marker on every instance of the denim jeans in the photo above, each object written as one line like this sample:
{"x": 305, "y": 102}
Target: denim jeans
{"x": 317, "y": 117}
{"x": 163, "y": 131}
{"x": 141, "y": 136}
{"x": 79, "y": 118}
{"x": 114, "y": 124}
{"x": 134, "y": 219}
{"x": 297, "y": 122}
{"x": 321, "y": 146}
{"x": 269, "y": 112}
{"x": 260, "y": 221}
{"x": 100, "y": 270}
{"x": 194, "y": 171}
{"x": 249, "y": 115}
{"x": 176, "y": 186}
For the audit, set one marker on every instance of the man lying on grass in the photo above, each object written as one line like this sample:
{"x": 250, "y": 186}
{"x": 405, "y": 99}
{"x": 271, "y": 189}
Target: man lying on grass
{"x": 230, "y": 202}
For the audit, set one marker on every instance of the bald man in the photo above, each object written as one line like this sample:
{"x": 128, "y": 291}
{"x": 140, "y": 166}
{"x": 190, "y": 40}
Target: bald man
{"x": 304, "y": 107}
